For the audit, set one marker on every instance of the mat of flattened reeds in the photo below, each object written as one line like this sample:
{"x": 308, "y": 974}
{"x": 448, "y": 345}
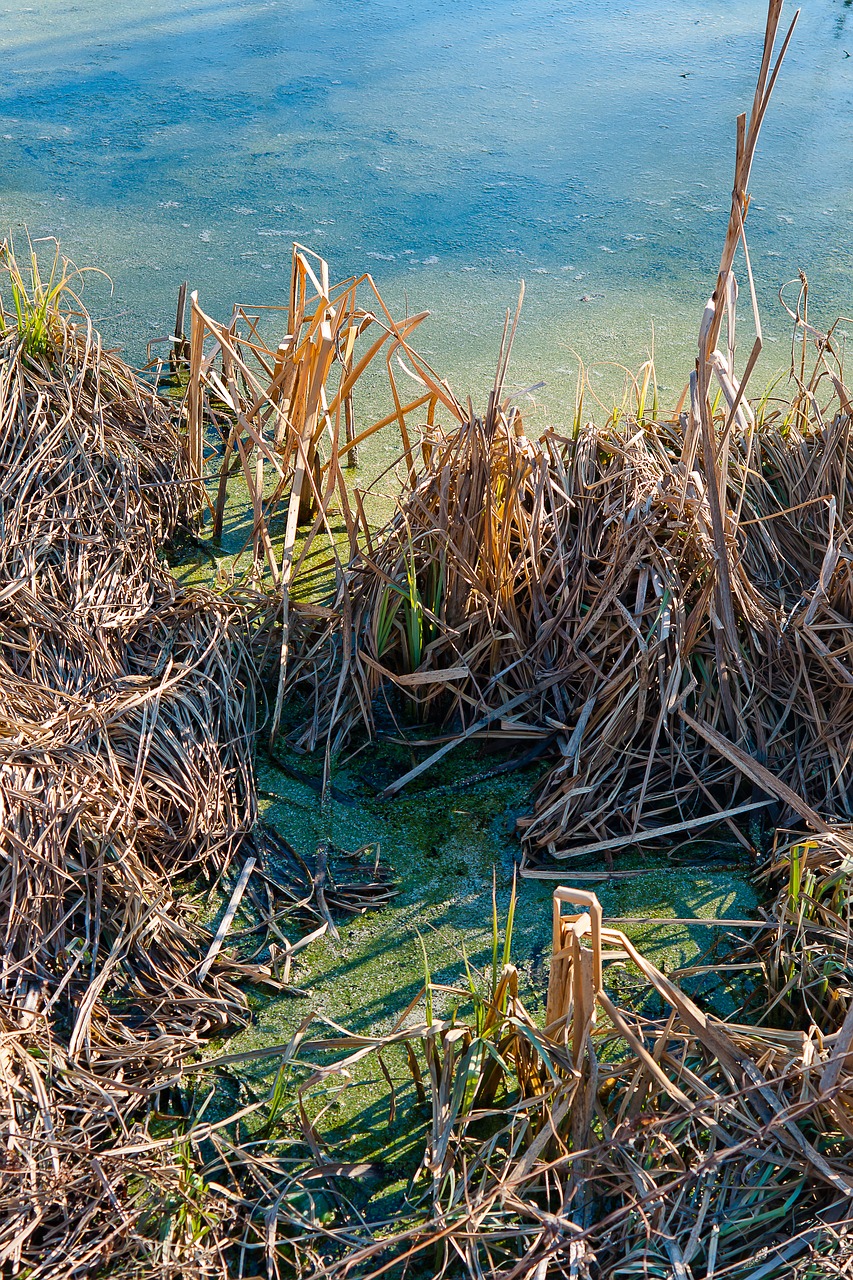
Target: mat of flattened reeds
{"x": 125, "y": 736}
{"x": 127, "y": 719}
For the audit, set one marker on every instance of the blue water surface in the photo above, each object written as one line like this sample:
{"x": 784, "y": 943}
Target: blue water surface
{"x": 449, "y": 148}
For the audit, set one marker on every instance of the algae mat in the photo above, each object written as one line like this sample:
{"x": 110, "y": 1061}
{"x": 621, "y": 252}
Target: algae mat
{"x": 444, "y": 842}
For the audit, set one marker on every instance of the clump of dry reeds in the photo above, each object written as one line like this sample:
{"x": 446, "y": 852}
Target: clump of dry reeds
{"x": 804, "y": 950}
{"x": 286, "y": 419}
{"x": 664, "y": 603}
{"x": 126, "y": 738}
{"x": 125, "y": 759}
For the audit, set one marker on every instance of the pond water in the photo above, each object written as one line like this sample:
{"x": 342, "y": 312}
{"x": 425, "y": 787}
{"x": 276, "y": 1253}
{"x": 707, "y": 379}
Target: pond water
{"x": 449, "y": 148}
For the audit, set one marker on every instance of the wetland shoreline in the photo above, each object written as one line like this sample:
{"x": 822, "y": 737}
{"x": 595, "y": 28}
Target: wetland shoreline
{"x": 458, "y": 1072}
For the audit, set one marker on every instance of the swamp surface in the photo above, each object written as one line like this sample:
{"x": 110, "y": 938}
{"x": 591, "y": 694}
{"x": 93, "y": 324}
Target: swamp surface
{"x": 449, "y": 148}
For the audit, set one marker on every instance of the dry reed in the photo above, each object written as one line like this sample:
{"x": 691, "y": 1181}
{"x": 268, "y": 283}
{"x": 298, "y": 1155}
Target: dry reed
{"x": 608, "y": 1143}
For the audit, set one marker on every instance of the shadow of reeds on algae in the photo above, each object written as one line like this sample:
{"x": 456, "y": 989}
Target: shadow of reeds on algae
{"x": 605, "y": 1144}
{"x": 665, "y": 605}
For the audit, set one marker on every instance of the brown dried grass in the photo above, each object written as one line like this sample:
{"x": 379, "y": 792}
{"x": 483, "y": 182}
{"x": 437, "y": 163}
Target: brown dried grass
{"x": 665, "y": 602}
{"x": 125, "y": 760}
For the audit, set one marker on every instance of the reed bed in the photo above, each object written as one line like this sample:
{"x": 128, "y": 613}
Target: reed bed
{"x": 663, "y": 604}
{"x": 125, "y": 761}
{"x": 127, "y": 729}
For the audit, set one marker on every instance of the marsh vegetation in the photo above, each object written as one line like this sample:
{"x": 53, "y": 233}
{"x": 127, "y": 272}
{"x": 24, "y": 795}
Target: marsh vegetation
{"x": 644, "y": 614}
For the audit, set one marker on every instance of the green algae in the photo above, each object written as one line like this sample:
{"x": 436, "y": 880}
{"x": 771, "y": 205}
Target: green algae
{"x": 444, "y": 849}
{"x": 445, "y": 842}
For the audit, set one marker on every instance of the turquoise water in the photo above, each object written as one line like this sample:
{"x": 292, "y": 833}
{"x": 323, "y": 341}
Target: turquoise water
{"x": 449, "y": 148}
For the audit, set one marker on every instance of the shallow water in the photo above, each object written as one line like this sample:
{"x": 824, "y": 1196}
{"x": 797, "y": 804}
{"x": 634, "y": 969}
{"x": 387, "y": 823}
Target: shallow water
{"x": 445, "y": 839}
{"x": 449, "y": 148}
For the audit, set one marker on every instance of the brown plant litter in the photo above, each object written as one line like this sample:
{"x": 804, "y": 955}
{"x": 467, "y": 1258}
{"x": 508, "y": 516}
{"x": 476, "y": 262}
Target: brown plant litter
{"x": 662, "y": 603}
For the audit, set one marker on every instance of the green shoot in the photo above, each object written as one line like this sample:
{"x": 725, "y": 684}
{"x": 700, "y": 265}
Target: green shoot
{"x": 495, "y": 972}
{"x": 510, "y": 919}
{"x": 277, "y": 1097}
{"x": 414, "y": 611}
{"x": 579, "y": 395}
{"x": 795, "y": 872}
{"x": 647, "y": 371}
{"x": 36, "y": 298}
{"x": 386, "y": 614}
{"x": 427, "y": 981}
